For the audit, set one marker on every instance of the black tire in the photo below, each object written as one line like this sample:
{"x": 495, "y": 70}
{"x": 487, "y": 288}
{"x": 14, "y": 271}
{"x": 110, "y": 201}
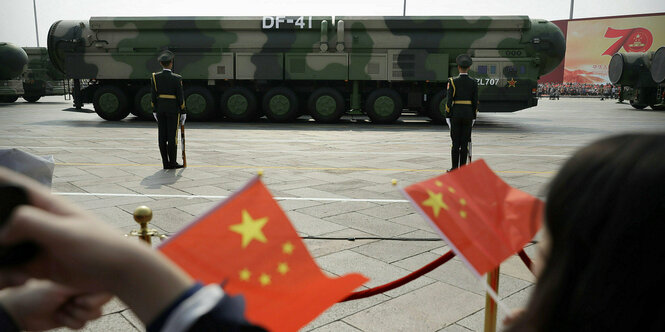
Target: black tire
{"x": 8, "y": 99}
{"x": 110, "y": 103}
{"x": 280, "y": 104}
{"x": 437, "y": 107}
{"x": 143, "y": 104}
{"x": 383, "y": 105}
{"x": 32, "y": 99}
{"x": 326, "y": 105}
{"x": 239, "y": 104}
{"x": 637, "y": 106}
{"x": 200, "y": 103}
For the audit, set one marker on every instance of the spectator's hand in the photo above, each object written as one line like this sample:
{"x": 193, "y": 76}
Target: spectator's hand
{"x": 513, "y": 316}
{"x": 448, "y": 122}
{"x": 79, "y": 251}
{"x": 155, "y": 115}
{"x": 43, "y": 305}
{"x": 182, "y": 119}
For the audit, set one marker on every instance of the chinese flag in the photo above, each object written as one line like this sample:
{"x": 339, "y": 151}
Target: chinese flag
{"x": 249, "y": 243}
{"x": 481, "y": 217}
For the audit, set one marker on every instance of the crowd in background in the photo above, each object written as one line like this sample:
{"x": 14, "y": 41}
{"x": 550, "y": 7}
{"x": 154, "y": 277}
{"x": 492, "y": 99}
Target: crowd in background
{"x": 554, "y": 90}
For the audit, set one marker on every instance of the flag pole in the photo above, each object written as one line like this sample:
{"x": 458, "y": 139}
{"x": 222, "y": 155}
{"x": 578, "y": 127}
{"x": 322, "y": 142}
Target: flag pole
{"x": 490, "y": 304}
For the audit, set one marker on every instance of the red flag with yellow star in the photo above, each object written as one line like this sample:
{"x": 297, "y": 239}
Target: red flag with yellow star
{"x": 248, "y": 243}
{"x": 481, "y": 217}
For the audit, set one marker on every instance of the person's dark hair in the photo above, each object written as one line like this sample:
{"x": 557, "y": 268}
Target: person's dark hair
{"x": 605, "y": 214}
{"x": 165, "y": 63}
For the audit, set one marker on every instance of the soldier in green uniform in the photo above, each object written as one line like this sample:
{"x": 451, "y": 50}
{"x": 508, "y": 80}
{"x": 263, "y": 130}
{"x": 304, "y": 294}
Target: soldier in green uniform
{"x": 461, "y": 110}
{"x": 168, "y": 105}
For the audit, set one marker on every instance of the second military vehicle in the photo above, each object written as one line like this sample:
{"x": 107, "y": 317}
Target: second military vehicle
{"x": 641, "y": 76}
{"x": 282, "y": 67}
{"x": 13, "y": 62}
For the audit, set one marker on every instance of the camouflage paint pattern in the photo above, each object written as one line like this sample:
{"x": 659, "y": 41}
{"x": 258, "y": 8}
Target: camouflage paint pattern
{"x": 411, "y": 55}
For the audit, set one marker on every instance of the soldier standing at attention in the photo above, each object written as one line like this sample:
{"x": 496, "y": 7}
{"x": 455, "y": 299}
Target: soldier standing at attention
{"x": 461, "y": 110}
{"x": 168, "y": 101}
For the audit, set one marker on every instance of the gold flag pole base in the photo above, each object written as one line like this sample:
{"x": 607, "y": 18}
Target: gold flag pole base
{"x": 490, "y": 305}
{"x": 143, "y": 215}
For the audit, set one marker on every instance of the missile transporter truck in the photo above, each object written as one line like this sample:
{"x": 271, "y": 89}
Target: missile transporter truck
{"x": 41, "y": 78}
{"x": 641, "y": 76}
{"x": 242, "y": 68}
{"x": 13, "y": 62}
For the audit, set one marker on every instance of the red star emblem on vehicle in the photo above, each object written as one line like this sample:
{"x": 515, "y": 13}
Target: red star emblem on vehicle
{"x": 511, "y": 83}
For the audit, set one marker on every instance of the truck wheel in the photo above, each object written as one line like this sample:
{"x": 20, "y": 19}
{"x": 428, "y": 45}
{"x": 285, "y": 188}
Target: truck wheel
{"x": 239, "y": 104}
{"x": 110, "y": 103}
{"x": 383, "y": 105}
{"x": 200, "y": 103}
{"x": 143, "y": 104}
{"x": 437, "y": 108}
{"x": 637, "y": 106}
{"x": 280, "y": 104}
{"x": 32, "y": 99}
{"x": 8, "y": 99}
{"x": 326, "y": 105}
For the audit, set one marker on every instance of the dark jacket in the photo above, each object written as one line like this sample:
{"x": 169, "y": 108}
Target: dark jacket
{"x": 462, "y": 97}
{"x": 167, "y": 94}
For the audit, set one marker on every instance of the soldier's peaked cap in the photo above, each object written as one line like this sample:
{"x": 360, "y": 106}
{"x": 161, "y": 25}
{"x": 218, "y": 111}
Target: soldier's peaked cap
{"x": 165, "y": 56}
{"x": 464, "y": 60}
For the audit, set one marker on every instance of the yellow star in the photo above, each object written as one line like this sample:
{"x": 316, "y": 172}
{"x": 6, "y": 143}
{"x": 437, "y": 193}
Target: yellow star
{"x": 245, "y": 274}
{"x": 462, "y": 201}
{"x": 435, "y": 201}
{"x": 250, "y": 229}
{"x": 511, "y": 83}
{"x": 282, "y": 268}
{"x": 264, "y": 279}
{"x": 287, "y": 248}
{"x": 438, "y": 183}
{"x": 451, "y": 189}
{"x": 462, "y": 214}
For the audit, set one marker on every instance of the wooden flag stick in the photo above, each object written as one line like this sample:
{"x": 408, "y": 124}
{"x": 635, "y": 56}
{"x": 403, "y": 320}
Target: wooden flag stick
{"x": 182, "y": 137}
{"x": 490, "y": 304}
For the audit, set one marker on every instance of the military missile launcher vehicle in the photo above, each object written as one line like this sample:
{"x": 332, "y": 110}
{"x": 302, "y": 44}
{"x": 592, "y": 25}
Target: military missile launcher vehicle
{"x": 13, "y": 62}
{"x": 658, "y": 75}
{"x": 641, "y": 76}
{"x": 241, "y": 68}
{"x": 41, "y": 78}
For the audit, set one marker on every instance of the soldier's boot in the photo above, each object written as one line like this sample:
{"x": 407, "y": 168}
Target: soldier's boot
{"x": 172, "y": 157}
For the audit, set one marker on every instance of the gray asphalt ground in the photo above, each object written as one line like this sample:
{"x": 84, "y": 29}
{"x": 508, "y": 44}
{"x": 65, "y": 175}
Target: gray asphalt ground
{"x": 332, "y": 180}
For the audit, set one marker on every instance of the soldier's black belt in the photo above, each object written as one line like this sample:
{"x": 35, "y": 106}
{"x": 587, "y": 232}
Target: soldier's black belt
{"x": 462, "y": 102}
{"x": 173, "y": 97}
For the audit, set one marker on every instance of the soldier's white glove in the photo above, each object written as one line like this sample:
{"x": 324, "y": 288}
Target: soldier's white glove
{"x": 155, "y": 115}
{"x": 473, "y": 122}
{"x": 448, "y": 122}
{"x": 182, "y": 119}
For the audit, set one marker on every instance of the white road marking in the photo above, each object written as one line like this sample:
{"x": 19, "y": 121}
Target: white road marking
{"x": 217, "y": 197}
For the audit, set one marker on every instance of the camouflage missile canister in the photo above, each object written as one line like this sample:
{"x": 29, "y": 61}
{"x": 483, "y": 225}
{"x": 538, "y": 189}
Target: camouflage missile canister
{"x": 631, "y": 69}
{"x": 640, "y": 75}
{"x": 284, "y": 66}
{"x": 658, "y": 66}
{"x": 41, "y": 78}
{"x": 13, "y": 62}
